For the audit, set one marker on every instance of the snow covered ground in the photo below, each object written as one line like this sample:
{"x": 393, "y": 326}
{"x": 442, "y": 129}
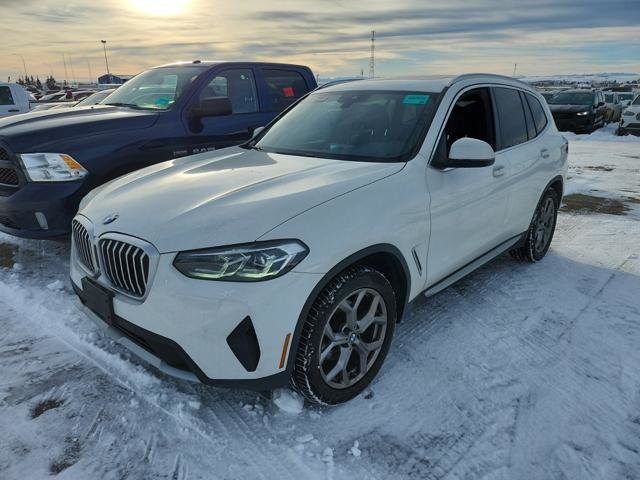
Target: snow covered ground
{"x": 516, "y": 372}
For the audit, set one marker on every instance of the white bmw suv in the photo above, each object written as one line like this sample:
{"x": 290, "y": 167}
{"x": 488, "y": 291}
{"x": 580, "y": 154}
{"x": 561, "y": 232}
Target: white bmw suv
{"x": 292, "y": 257}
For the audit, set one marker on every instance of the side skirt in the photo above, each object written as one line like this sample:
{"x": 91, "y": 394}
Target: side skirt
{"x": 474, "y": 264}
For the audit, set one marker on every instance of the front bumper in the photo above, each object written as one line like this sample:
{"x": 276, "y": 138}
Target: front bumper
{"x": 183, "y": 325}
{"x": 40, "y": 210}
{"x": 629, "y": 125}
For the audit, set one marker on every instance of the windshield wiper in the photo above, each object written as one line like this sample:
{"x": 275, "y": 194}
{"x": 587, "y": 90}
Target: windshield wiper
{"x": 130, "y": 105}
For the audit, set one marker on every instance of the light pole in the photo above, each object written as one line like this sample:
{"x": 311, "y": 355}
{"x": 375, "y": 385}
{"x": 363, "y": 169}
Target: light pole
{"x": 24, "y": 65}
{"x": 104, "y": 46}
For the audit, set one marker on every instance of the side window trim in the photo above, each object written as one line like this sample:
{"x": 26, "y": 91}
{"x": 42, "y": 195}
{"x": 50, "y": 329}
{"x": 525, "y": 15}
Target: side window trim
{"x": 528, "y": 117}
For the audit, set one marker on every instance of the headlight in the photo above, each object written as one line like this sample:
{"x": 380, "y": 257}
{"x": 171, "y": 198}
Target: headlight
{"x": 627, "y": 113}
{"x": 51, "y": 167}
{"x": 242, "y": 263}
{"x": 581, "y": 114}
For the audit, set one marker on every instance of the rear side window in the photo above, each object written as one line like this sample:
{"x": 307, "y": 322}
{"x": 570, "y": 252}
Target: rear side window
{"x": 513, "y": 126}
{"x": 5, "y": 96}
{"x": 539, "y": 117}
{"x": 284, "y": 87}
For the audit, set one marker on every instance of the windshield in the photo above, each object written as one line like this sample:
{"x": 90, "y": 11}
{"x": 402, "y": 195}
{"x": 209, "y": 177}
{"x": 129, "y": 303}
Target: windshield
{"x": 155, "y": 89}
{"x": 352, "y": 125}
{"x": 625, "y": 96}
{"x": 572, "y": 98}
{"x": 93, "y": 99}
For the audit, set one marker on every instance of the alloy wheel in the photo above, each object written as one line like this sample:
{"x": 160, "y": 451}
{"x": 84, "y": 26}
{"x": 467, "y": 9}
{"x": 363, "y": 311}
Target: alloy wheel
{"x": 544, "y": 225}
{"x": 353, "y": 338}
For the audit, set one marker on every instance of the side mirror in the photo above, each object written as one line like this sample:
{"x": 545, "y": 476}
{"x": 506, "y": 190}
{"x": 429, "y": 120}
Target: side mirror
{"x": 600, "y": 104}
{"x": 470, "y": 153}
{"x": 212, "y": 107}
{"x": 256, "y": 131}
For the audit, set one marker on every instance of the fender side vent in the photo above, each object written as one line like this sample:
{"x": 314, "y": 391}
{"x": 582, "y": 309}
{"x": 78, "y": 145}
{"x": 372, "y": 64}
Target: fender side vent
{"x": 243, "y": 342}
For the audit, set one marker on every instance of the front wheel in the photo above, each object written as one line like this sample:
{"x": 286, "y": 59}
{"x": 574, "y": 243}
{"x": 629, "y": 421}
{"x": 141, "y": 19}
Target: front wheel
{"x": 538, "y": 237}
{"x": 346, "y": 336}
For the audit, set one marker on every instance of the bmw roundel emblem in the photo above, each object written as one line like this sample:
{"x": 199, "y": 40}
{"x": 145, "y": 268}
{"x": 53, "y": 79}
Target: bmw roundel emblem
{"x": 110, "y": 219}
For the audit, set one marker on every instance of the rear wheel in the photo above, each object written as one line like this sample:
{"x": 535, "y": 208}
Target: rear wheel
{"x": 346, "y": 336}
{"x": 538, "y": 237}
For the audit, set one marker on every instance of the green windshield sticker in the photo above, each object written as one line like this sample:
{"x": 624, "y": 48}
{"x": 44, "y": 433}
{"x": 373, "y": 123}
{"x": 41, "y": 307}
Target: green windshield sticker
{"x": 415, "y": 99}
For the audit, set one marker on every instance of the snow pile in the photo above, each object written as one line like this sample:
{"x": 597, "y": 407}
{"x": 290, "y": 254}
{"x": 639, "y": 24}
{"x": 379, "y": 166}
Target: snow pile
{"x": 288, "y": 401}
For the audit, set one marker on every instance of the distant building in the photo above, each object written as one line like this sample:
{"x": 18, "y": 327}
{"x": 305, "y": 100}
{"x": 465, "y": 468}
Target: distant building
{"x": 113, "y": 79}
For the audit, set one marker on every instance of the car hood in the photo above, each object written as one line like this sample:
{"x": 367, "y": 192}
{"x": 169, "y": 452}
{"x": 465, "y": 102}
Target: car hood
{"x": 569, "y": 108}
{"x": 29, "y": 131}
{"x": 231, "y": 196}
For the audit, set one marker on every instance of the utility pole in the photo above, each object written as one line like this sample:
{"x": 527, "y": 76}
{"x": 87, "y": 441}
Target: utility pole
{"x": 104, "y": 46}
{"x": 515, "y": 66}
{"x": 73, "y": 73}
{"x": 372, "y": 59}
{"x": 24, "y": 65}
{"x": 66, "y": 73}
{"x": 90, "y": 74}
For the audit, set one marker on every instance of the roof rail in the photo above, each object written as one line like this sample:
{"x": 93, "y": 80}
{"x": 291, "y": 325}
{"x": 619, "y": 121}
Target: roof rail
{"x": 466, "y": 76}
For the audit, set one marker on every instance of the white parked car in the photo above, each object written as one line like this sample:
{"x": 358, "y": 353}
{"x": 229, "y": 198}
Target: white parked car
{"x": 292, "y": 257}
{"x": 630, "y": 119}
{"x": 13, "y": 99}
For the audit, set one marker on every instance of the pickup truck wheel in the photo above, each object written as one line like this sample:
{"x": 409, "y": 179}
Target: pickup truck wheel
{"x": 346, "y": 336}
{"x": 538, "y": 237}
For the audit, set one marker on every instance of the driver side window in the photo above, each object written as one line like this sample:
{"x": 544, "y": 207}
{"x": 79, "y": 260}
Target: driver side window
{"x": 238, "y": 85}
{"x": 471, "y": 116}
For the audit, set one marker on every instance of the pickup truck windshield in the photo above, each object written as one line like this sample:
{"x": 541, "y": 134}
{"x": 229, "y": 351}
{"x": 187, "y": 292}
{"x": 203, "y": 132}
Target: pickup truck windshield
{"x": 155, "y": 89}
{"x": 572, "y": 98}
{"x": 382, "y": 126}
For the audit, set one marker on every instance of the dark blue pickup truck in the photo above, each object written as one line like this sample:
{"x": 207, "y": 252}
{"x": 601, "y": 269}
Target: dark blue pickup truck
{"x": 49, "y": 160}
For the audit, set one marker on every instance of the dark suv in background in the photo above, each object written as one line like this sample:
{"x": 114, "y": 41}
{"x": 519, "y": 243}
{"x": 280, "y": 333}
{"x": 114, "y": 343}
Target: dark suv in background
{"x": 578, "y": 111}
{"x": 50, "y": 160}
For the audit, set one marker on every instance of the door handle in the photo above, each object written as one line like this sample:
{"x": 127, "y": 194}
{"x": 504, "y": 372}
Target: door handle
{"x": 544, "y": 153}
{"x": 498, "y": 170}
{"x": 14, "y": 110}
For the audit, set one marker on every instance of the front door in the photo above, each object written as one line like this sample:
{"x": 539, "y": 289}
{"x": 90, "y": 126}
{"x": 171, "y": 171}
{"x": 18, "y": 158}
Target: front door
{"x": 468, "y": 205}
{"x": 8, "y": 104}
{"x": 213, "y": 133}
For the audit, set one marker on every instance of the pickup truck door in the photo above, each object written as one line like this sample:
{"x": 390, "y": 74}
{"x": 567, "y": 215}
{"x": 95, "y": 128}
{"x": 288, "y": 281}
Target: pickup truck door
{"x": 8, "y": 101}
{"x": 468, "y": 205}
{"x": 212, "y": 133}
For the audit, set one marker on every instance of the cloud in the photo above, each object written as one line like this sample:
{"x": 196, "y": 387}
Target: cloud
{"x": 331, "y": 36}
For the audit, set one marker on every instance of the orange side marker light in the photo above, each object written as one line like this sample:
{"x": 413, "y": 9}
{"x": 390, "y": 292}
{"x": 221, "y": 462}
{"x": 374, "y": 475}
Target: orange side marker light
{"x": 285, "y": 348}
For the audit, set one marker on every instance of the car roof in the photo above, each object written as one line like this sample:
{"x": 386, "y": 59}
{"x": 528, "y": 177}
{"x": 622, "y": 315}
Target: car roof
{"x": 214, "y": 63}
{"x": 432, "y": 83}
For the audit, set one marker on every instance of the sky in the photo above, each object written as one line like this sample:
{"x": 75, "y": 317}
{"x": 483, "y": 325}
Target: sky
{"x": 413, "y": 37}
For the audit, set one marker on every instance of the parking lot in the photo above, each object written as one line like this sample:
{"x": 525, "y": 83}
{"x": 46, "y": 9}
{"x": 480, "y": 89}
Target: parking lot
{"x": 517, "y": 371}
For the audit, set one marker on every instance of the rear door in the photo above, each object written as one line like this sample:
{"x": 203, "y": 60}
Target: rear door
{"x": 521, "y": 123}
{"x": 8, "y": 102}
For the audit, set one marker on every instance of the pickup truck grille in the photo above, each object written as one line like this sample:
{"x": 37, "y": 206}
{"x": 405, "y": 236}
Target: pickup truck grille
{"x": 126, "y": 266}
{"x": 4, "y": 155}
{"x": 8, "y": 176}
{"x": 83, "y": 246}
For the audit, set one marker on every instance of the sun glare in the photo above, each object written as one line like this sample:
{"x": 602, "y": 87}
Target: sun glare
{"x": 159, "y": 7}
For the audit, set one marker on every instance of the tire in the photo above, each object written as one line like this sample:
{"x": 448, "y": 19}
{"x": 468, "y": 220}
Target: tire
{"x": 358, "y": 287}
{"x": 534, "y": 248}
